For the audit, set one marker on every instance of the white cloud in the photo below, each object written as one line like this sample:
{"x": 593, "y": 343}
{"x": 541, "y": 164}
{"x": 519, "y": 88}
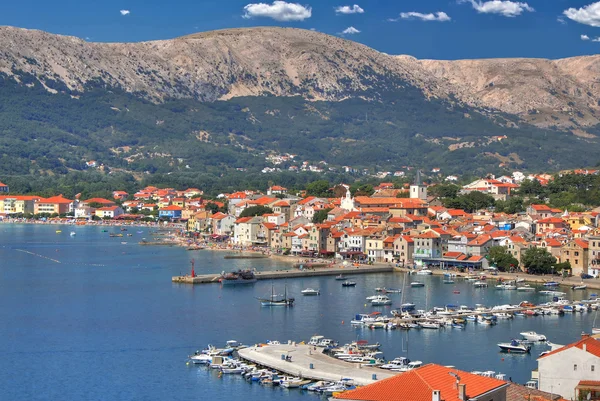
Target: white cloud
{"x": 439, "y": 16}
{"x": 278, "y": 10}
{"x": 585, "y": 37}
{"x": 503, "y": 7}
{"x": 125, "y": 12}
{"x": 561, "y": 20}
{"x": 350, "y": 31}
{"x": 596, "y": 40}
{"x": 355, "y": 9}
{"x": 588, "y": 15}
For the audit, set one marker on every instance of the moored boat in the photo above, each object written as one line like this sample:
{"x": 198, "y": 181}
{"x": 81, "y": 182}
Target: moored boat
{"x": 514, "y": 347}
{"x": 340, "y": 277}
{"x": 238, "y": 277}
{"x": 310, "y": 291}
{"x": 417, "y": 284}
{"x": 349, "y": 284}
{"x": 525, "y": 288}
{"x": 533, "y": 336}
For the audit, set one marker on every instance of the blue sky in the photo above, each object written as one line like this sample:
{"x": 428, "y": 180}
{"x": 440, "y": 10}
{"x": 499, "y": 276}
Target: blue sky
{"x": 440, "y": 29}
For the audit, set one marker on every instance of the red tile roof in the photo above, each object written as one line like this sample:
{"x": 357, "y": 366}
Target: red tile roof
{"x": 591, "y": 345}
{"x": 418, "y": 385}
{"x": 428, "y": 234}
{"x": 55, "y": 199}
{"x": 452, "y": 255}
{"x": 589, "y": 383}
{"x": 581, "y": 243}
{"x": 172, "y": 207}
{"x": 551, "y": 220}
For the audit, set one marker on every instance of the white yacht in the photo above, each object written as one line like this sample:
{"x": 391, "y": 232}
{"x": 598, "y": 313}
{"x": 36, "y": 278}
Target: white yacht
{"x": 514, "y": 347}
{"x": 310, "y": 291}
{"x": 504, "y": 286}
{"x": 381, "y": 300}
{"x": 533, "y": 336}
{"x": 424, "y": 272}
{"x": 526, "y": 287}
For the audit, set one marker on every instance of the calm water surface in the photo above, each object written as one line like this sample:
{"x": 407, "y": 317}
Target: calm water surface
{"x": 89, "y": 318}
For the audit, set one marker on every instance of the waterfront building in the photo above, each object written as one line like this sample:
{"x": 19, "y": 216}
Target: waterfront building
{"x": 53, "y": 205}
{"x": 17, "y": 204}
{"x": 170, "y": 212}
{"x": 431, "y": 383}
{"x": 576, "y": 253}
{"x": 573, "y": 370}
{"x": 109, "y": 212}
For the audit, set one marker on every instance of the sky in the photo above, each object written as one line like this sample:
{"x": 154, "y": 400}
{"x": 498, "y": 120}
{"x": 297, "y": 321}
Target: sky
{"x": 435, "y": 29}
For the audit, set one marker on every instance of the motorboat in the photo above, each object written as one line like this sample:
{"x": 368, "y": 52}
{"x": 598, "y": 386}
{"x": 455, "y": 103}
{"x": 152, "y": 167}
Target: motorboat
{"x": 407, "y": 307}
{"x": 533, "y": 336}
{"x": 514, "y": 347}
{"x": 310, "y": 291}
{"x": 525, "y": 288}
{"x": 391, "y": 290}
{"x": 417, "y": 284}
{"x": 340, "y": 277}
{"x": 396, "y": 363}
{"x": 504, "y": 286}
{"x": 579, "y": 287}
{"x": 424, "y": 272}
{"x": 553, "y": 293}
{"x": 480, "y": 284}
{"x": 349, "y": 284}
{"x": 410, "y": 366}
{"x": 551, "y": 284}
{"x": 448, "y": 281}
{"x": 72, "y": 233}
{"x": 429, "y": 325}
{"x": 381, "y": 300}
{"x": 503, "y": 315}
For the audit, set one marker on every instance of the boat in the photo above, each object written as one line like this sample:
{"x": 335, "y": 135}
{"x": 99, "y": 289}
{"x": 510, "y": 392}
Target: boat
{"x": 579, "y": 287}
{"x": 480, "y": 284}
{"x": 525, "y": 287}
{"x": 58, "y": 231}
{"x": 391, "y": 290}
{"x": 551, "y": 284}
{"x": 310, "y": 291}
{"x": 417, "y": 284}
{"x": 519, "y": 280}
{"x": 449, "y": 281}
{"x": 349, "y": 284}
{"x": 410, "y": 366}
{"x": 505, "y": 286}
{"x": 533, "y": 336}
{"x": 553, "y": 293}
{"x": 340, "y": 277}
{"x": 72, "y": 233}
{"x": 238, "y": 277}
{"x": 381, "y": 300}
{"x": 276, "y": 300}
{"x": 124, "y": 243}
{"x": 424, "y": 272}
{"x": 429, "y": 325}
{"x": 514, "y": 347}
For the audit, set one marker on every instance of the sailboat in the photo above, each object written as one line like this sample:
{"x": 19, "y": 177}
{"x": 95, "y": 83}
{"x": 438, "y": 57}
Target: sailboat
{"x": 274, "y": 300}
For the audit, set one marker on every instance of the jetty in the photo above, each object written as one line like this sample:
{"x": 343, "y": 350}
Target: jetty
{"x": 291, "y": 273}
{"x": 311, "y": 363}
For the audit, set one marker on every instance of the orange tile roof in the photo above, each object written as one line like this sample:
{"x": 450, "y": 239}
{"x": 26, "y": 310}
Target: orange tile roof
{"x": 306, "y": 200}
{"x": 418, "y": 385}
{"x": 452, "y": 255}
{"x": 480, "y": 240}
{"x": 539, "y": 208}
{"x": 428, "y": 234}
{"x": 55, "y": 199}
{"x": 219, "y": 216}
{"x": 475, "y": 258}
{"x": 282, "y": 204}
{"x": 399, "y": 220}
{"x": 172, "y": 207}
{"x": 100, "y": 200}
{"x": 408, "y": 239}
{"x": 581, "y": 243}
{"x": 264, "y": 200}
{"x": 243, "y": 219}
{"x": 589, "y": 383}
{"x": 551, "y": 220}
{"x": 551, "y": 242}
{"x": 367, "y": 200}
{"x": 591, "y": 345}
{"x": 270, "y": 226}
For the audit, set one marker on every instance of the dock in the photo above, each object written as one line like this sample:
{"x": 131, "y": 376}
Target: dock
{"x": 291, "y": 273}
{"x": 310, "y": 363}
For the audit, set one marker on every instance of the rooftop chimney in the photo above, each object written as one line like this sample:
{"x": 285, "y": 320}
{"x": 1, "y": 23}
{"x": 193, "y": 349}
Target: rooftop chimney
{"x": 435, "y": 395}
{"x": 462, "y": 392}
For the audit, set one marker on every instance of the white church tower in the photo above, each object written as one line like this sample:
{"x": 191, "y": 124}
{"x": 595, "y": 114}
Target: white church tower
{"x": 418, "y": 190}
{"x": 347, "y": 202}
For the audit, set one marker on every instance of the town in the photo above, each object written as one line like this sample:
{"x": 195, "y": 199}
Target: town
{"x": 405, "y": 226}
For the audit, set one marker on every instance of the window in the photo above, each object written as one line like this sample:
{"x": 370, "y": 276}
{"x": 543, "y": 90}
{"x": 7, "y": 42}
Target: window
{"x": 576, "y": 261}
{"x": 593, "y": 368}
{"x": 575, "y": 367}
{"x": 576, "y": 253}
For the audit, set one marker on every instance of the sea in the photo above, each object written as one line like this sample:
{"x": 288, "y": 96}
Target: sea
{"x": 94, "y": 317}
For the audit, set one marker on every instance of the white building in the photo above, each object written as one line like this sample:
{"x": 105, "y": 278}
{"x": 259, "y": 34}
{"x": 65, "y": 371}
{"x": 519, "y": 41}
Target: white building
{"x": 564, "y": 370}
{"x": 418, "y": 190}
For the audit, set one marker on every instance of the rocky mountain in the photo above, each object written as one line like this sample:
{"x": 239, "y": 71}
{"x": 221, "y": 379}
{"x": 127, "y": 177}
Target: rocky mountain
{"x": 224, "y": 64}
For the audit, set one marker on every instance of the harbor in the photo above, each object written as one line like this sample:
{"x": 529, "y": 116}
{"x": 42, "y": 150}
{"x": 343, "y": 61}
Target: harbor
{"x": 311, "y": 363}
{"x": 290, "y": 274}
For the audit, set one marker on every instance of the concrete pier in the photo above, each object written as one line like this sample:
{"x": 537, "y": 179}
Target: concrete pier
{"x": 290, "y": 273}
{"x": 309, "y": 363}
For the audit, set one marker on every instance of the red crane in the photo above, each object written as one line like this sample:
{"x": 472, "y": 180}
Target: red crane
{"x": 193, "y": 272}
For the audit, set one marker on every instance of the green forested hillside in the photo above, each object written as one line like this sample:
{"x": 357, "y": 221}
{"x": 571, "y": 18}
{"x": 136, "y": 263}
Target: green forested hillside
{"x": 46, "y": 134}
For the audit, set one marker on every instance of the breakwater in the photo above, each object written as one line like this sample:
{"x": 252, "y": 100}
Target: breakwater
{"x": 293, "y": 273}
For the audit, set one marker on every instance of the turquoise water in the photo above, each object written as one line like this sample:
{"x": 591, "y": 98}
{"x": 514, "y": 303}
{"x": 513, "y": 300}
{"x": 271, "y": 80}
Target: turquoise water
{"x": 89, "y": 318}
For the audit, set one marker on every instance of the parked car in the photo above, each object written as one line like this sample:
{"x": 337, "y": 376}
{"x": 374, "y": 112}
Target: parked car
{"x": 583, "y": 275}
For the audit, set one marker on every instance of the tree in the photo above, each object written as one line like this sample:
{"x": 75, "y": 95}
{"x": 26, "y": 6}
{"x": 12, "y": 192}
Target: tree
{"x": 255, "y": 211}
{"x": 212, "y": 207}
{"x": 318, "y": 188}
{"x": 538, "y": 261}
{"x": 320, "y": 216}
{"x": 510, "y": 206}
{"x": 358, "y": 189}
{"x": 444, "y": 190}
{"x": 500, "y": 257}
{"x": 562, "y": 266}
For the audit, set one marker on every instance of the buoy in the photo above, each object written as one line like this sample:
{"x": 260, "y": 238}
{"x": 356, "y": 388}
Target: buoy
{"x": 365, "y": 305}
{"x": 502, "y": 359}
{"x": 187, "y": 363}
{"x": 342, "y": 322}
